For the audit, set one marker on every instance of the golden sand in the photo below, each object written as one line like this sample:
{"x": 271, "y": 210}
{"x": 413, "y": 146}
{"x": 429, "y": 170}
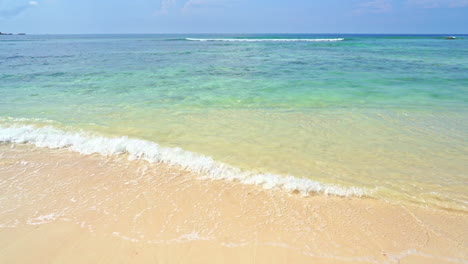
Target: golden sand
{"x": 62, "y": 207}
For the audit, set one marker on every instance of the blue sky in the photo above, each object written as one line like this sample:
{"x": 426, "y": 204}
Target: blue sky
{"x": 234, "y": 16}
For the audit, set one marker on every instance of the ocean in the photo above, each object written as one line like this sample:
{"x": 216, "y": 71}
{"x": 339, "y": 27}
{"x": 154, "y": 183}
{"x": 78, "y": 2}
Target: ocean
{"x": 380, "y": 116}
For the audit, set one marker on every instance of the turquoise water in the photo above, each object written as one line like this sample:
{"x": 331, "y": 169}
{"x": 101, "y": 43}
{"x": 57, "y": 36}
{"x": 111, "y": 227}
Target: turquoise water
{"x": 384, "y": 113}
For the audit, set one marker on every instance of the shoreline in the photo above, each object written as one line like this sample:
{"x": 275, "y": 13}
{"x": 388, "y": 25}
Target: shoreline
{"x": 138, "y": 149}
{"x": 354, "y": 151}
{"x": 87, "y": 206}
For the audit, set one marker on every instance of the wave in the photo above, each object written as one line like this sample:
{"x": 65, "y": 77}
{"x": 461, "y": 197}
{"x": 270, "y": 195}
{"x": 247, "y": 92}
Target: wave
{"x": 266, "y": 40}
{"x": 206, "y": 167}
{"x": 21, "y": 119}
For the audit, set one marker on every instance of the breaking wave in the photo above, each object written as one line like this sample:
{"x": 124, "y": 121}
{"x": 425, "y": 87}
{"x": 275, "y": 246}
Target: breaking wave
{"x": 205, "y": 166}
{"x": 265, "y": 40}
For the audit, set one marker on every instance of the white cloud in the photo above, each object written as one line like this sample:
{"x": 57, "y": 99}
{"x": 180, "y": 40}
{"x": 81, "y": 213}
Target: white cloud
{"x": 375, "y": 6}
{"x": 198, "y": 4}
{"x": 438, "y": 3}
{"x": 166, "y": 5}
{"x": 9, "y": 10}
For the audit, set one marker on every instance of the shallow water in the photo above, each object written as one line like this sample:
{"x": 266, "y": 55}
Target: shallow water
{"x": 98, "y": 203}
{"x": 383, "y": 114}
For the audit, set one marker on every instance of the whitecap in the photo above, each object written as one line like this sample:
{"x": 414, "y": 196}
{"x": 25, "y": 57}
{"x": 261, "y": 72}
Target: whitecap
{"x": 266, "y": 40}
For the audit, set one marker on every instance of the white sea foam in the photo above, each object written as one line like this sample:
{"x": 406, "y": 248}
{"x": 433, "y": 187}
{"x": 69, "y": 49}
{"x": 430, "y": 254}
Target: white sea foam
{"x": 265, "y": 40}
{"x": 84, "y": 143}
{"x": 43, "y": 219}
{"x": 13, "y": 119}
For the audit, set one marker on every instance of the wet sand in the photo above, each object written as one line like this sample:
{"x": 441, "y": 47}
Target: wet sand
{"x": 58, "y": 206}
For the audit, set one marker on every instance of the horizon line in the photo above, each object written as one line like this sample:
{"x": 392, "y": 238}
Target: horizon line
{"x": 225, "y": 33}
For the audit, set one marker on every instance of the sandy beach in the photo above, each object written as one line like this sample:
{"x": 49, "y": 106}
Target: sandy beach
{"x": 62, "y": 207}
{"x": 234, "y": 131}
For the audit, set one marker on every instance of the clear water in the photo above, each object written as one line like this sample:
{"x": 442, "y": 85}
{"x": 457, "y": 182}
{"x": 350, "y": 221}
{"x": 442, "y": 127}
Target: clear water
{"x": 385, "y": 113}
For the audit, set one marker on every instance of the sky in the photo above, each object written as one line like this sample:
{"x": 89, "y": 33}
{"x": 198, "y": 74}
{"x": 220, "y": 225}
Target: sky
{"x": 233, "y": 16}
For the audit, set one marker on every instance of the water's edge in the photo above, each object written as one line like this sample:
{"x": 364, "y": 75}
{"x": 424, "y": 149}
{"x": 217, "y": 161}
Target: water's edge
{"x": 137, "y": 149}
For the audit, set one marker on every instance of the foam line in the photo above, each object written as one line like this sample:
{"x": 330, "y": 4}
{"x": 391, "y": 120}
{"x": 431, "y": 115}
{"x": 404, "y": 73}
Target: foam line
{"x": 266, "y": 40}
{"x": 85, "y": 143}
